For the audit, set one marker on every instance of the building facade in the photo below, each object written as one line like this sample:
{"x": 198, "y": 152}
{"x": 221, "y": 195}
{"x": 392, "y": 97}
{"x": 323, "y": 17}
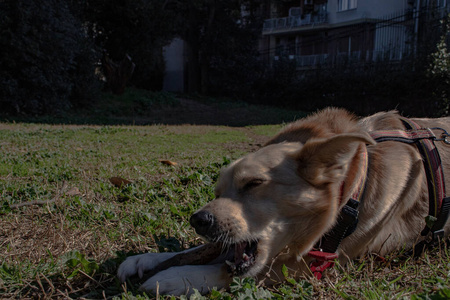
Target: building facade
{"x": 317, "y": 32}
{"x": 175, "y": 62}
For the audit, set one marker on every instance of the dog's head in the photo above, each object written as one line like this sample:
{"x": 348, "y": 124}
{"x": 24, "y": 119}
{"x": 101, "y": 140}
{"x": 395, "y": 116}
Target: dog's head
{"x": 284, "y": 195}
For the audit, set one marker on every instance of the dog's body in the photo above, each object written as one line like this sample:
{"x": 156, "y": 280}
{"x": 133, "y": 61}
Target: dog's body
{"x": 272, "y": 206}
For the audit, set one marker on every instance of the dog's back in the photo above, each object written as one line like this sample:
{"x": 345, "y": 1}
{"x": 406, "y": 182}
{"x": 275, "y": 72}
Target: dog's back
{"x": 392, "y": 213}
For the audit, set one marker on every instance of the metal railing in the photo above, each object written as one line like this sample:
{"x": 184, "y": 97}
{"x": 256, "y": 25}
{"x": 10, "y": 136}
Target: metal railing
{"x": 392, "y": 38}
{"x": 304, "y": 61}
{"x": 310, "y": 60}
{"x": 294, "y": 22}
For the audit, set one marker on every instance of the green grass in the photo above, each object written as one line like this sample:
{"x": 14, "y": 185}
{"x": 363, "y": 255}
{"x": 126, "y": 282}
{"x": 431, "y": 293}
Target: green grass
{"x": 72, "y": 246}
{"x": 79, "y": 234}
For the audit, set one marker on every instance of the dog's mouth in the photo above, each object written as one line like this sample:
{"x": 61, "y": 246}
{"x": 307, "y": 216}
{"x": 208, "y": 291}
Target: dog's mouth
{"x": 244, "y": 257}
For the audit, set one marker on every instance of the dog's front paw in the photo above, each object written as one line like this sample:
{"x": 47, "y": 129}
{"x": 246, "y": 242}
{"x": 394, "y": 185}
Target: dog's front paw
{"x": 184, "y": 279}
{"x": 139, "y": 264}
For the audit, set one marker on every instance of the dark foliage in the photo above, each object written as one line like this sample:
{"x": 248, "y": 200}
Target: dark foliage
{"x": 363, "y": 89}
{"x": 136, "y": 28}
{"x": 230, "y": 51}
{"x": 46, "y": 63}
{"x": 49, "y": 50}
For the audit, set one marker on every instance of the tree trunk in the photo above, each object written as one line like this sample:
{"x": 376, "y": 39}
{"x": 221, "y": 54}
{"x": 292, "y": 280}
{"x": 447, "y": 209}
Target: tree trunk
{"x": 193, "y": 50}
{"x": 117, "y": 74}
{"x": 205, "y": 57}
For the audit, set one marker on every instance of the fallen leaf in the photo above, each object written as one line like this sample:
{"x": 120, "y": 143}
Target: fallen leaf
{"x": 73, "y": 192}
{"x": 119, "y": 182}
{"x": 168, "y": 162}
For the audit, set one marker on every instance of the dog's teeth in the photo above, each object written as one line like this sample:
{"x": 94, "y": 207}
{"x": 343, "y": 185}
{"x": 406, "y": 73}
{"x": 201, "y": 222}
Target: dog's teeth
{"x": 230, "y": 264}
{"x": 245, "y": 256}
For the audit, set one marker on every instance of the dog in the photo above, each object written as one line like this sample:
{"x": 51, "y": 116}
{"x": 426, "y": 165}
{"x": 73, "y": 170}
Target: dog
{"x": 273, "y": 206}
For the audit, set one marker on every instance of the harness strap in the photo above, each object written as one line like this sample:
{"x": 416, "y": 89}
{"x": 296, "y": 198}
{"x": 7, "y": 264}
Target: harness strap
{"x": 433, "y": 169}
{"x": 408, "y": 137}
{"x": 326, "y": 254}
{"x": 439, "y": 204}
{"x": 346, "y": 224}
{"x": 439, "y": 207}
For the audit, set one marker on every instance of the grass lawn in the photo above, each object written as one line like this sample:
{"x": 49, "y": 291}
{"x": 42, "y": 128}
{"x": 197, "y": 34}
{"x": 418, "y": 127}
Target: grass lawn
{"x": 76, "y": 227}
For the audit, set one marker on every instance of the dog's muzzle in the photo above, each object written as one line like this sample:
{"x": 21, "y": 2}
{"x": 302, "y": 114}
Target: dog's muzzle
{"x": 203, "y": 222}
{"x": 242, "y": 253}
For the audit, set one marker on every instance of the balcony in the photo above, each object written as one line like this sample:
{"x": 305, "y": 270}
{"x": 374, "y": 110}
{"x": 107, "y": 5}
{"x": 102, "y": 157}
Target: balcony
{"x": 342, "y": 58}
{"x": 294, "y": 22}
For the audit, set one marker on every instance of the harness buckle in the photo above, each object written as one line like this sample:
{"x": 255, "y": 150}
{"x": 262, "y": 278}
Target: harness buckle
{"x": 432, "y": 239}
{"x": 445, "y": 136}
{"x": 323, "y": 261}
{"x": 437, "y": 236}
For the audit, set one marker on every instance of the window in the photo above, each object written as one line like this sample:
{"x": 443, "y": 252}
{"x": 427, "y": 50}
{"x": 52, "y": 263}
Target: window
{"x": 347, "y": 4}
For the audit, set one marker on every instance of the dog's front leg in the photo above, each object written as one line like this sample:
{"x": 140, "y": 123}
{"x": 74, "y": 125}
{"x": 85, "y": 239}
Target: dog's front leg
{"x": 184, "y": 279}
{"x": 139, "y": 264}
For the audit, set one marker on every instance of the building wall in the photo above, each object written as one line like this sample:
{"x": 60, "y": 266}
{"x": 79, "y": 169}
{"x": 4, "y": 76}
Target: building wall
{"x": 376, "y": 30}
{"x": 365, "y": 9}
{"x": 175, "y": 66}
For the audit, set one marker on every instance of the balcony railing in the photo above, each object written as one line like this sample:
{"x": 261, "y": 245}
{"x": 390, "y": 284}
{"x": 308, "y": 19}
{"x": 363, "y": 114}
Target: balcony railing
{"x": 354, "y": 57}
{"x": 294, "y": 22}
{"x": 311, "y": 60}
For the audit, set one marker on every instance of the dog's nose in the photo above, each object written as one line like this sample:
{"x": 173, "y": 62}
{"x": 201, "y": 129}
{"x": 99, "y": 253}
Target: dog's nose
{"x": 202, "y": 221}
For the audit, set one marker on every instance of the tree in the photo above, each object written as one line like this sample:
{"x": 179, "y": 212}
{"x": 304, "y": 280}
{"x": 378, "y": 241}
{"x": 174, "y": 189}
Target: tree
{"x": 46, "y": 63}
{"x": 136, "y": 28}
{"x": 221, "y": 37}
{"x": 439, "y": 70}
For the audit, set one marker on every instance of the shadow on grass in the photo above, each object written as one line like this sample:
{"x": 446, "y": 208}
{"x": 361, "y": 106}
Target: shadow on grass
{"x": 84, "y": 278}
{"x": 77, "y": 283}
{"x": 139, "y": 107}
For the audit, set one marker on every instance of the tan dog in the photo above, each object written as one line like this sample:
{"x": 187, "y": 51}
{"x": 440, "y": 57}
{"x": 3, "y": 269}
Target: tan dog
{"x": 274, "y": 205}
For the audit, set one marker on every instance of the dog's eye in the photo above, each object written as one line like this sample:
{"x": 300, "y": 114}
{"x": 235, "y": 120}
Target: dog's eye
{"x": 252, "y": 184}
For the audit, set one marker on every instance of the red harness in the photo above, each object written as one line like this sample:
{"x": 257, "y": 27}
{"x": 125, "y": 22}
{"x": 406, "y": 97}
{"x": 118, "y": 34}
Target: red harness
{"x": 439, "y": 206}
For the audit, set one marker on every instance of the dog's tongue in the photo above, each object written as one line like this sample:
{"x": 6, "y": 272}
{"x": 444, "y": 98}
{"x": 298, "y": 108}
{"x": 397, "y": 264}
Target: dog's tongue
{"x": 239, "y": 250}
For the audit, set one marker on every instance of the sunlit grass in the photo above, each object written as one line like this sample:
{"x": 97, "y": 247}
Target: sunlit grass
{"x": 71, "y": 246}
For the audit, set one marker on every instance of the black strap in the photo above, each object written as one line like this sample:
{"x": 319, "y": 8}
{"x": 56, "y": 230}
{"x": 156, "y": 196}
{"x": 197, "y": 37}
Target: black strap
{"x": 443, "y": 215}
{"x": 437, "y": 231}
{"x": 345, "y": 225}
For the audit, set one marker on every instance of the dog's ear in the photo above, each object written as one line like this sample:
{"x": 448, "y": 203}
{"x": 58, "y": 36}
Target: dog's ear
{"x": 322, "y": 161}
